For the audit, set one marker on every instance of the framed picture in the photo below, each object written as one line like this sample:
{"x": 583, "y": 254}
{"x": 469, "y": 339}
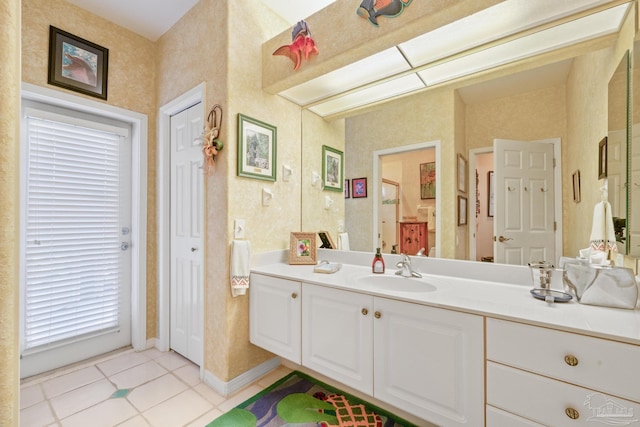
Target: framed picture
{"x": 256, "y": 149}
{"x": 462, "y": 174}
{"x": 428, "y": 180}
{"x": 332, "y": 168}
{"x": 490, "y": 194}
{"x": 602, "y": 158}
{"x": 576, "y": 186}
{"x": 77, "y": 64}
{"x": 327, "y": 241}
{"x": 462, "y": 210}
{"x": 346, "y": 189}
{"x": 358, "y": 188}
{"x": 303, "y": 249}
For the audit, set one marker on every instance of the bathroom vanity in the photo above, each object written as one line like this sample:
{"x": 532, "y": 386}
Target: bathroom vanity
{"x": 465, "y": 345}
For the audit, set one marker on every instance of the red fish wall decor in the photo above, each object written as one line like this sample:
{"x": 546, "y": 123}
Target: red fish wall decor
{"x": 302, "y": 46}
{"x": 372, "y": 9}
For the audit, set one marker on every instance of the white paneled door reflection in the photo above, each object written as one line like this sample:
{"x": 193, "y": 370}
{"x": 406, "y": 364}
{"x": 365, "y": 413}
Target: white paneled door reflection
{"x": 524, "y": 228}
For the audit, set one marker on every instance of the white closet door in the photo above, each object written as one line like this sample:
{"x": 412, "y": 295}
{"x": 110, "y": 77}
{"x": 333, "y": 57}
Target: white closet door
{"x": 187, "y": 234}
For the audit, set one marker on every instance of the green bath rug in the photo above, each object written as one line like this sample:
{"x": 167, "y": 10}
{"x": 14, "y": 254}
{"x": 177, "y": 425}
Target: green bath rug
{"x": 300, "y": 400}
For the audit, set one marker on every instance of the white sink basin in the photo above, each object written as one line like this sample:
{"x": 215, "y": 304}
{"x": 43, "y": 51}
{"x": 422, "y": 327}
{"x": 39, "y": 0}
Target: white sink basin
{"x": 391, "y": 282}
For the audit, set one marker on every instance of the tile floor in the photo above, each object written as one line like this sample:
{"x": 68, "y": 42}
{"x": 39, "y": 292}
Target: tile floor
{"x": 129, "y": 389}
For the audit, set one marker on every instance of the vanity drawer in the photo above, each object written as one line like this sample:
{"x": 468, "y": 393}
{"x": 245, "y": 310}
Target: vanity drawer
{"x": 607, "y": 366}
{"x": 553, "y": 403}
{"x": 499, "y": 418}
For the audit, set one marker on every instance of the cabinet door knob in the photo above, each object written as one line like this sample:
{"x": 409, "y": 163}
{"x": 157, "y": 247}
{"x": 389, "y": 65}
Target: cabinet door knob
{"x": 571, "y": 360}
{"x": 365, "y": 311}
{"x": 294, "y": 295}
{"x": 572, "y": 413}
{"x": 377, "y": 315}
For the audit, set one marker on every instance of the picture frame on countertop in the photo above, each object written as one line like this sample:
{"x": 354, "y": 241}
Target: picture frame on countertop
{"x": 302, "y": 248}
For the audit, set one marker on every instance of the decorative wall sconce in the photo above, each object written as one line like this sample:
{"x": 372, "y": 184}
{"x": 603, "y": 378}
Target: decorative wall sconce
{"x": 315, "y": 178}
{"x": 328, "y": 202}
{"x": 286, "y": 173}
{"x": 267, "y": 196}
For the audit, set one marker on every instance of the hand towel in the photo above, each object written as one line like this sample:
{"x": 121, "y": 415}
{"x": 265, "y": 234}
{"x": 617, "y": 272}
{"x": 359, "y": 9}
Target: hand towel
{"x": 343, "y": 241}
{"x": 603, "y": 236}
{"x": 240, "y": 267}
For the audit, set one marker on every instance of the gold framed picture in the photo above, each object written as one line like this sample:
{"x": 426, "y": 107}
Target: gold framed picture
{"x": 303, "y": 248}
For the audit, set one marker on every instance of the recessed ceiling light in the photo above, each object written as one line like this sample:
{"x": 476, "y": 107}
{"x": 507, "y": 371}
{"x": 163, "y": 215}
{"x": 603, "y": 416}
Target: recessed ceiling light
{"x": 369, "y": 95}
{"x": 384, "y": 64}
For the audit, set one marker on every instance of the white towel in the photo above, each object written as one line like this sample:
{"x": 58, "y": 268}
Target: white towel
{"x": 603, "y": 236}
{"x": 343, "y": 241}
{"x": 240, "y": 267}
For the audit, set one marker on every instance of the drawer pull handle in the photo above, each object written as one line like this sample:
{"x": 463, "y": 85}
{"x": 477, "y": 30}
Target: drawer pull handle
{"x": 571, "y": 360}
{"x": 377, "y": 315}
{"x": 572, "y": 413}
{"x": 365, "y": 311}
{"x": 294, "y": 295}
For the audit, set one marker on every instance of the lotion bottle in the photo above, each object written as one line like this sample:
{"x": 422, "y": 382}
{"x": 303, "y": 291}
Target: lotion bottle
{"x": 378, "y": 263}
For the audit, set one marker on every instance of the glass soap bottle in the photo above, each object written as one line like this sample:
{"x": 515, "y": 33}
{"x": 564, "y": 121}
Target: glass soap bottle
{"x": 377, "y": 266}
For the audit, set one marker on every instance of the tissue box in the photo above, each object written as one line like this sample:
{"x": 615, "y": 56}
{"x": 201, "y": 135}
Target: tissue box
{"x": 601, "y": 285}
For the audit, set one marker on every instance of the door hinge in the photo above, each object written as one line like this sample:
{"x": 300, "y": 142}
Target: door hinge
{"x": 554, "y": 162}
{"x": 555, "y": 226}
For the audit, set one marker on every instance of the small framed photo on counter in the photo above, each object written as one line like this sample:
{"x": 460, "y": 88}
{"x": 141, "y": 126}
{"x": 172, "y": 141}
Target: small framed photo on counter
{"x": 303, "y": 248}
{"x": 327, "y": 241}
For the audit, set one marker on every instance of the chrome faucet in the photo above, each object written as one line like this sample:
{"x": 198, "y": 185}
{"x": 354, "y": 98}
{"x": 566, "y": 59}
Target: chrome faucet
{"x": 405, "y": 267}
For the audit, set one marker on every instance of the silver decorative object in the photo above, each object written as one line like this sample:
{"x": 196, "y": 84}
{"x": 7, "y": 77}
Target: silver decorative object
{"x": 601, "y": 285}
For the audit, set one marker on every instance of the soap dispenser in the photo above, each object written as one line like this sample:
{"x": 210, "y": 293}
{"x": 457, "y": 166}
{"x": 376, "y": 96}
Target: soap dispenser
{"x": 377, "y": 266}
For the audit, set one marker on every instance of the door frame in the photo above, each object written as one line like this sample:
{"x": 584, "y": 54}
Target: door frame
{"x": 139, "y": 144}
{"x": 377, "y": 179}
{"x": 557, "y": 184}
{"x": 182, "y": 102}
{"x": 472, "y": 190}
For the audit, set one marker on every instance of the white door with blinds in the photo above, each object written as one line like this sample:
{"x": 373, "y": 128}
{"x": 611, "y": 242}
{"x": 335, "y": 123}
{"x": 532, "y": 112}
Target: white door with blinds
{"x": 75, "y": 255}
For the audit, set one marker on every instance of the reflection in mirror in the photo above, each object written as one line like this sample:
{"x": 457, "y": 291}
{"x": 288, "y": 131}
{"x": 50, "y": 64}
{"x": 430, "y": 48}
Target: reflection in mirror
{"x": 528, "y": 103}
{"x": 633, "y": 229}
{"x": 617, "y": 135}
{"x": 407, "y": 202}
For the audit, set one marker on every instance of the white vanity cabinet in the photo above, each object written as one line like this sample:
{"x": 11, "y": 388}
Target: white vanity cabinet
{"x": 274, "y": 315}
{"x": 429, "y": 362}
{"x": 424, "y": 360}
{"x": 337, "y": 335}
{"x": 559, "y": 378}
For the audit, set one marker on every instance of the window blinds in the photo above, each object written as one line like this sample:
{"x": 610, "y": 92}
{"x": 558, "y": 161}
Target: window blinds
{"x": 72, "y": 241}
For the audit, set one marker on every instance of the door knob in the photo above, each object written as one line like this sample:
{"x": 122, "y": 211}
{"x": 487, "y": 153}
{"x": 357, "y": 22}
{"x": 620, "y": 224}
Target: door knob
{"x": 503, "y": 239}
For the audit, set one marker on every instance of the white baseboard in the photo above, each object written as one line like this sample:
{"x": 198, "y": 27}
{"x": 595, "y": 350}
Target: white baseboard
{"x": 151, "y": 343}
{"x": 229, "y": 387}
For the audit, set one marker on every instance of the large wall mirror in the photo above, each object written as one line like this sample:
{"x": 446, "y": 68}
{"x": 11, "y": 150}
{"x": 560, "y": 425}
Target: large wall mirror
{"x": 543, "y": 99}
{"x": 633, "y": 229}
{"x": 616, "y": 147}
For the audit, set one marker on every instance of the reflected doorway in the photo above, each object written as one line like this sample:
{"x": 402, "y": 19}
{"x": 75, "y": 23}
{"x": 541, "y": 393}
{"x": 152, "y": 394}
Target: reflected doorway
{"x": 402, "y": 166}
{"x": 389, "y": 211}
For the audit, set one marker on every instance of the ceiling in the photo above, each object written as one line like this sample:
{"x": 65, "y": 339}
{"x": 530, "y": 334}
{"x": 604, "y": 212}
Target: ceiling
{"x": 152, "y": 18}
